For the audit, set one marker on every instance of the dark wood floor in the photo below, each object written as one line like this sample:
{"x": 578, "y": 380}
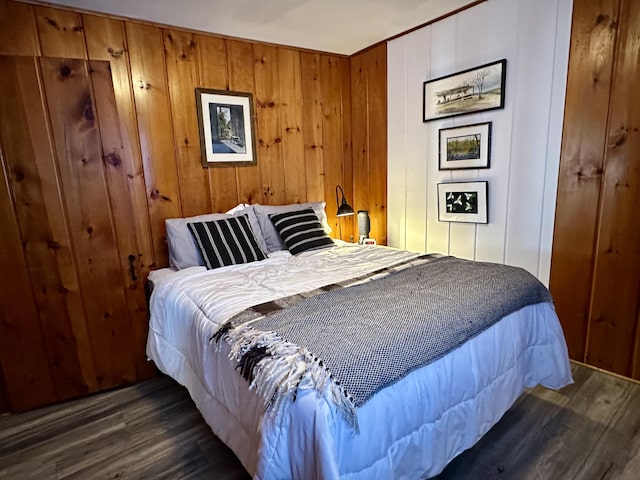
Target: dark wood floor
{"x": 590, "y": 430}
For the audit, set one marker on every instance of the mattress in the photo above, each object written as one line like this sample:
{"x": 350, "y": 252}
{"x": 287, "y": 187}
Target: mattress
{"x": 410, "y": 429}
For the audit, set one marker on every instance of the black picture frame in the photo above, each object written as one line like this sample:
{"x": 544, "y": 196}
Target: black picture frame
{"x": 465, "y": 147}
{"x": 476, "y": 89}
{"x": 465, "y": 202}
{"x": 225, "y": 123}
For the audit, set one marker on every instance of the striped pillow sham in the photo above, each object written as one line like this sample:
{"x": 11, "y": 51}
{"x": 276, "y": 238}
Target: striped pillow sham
{"x": 228, "y": 241}
{"x": 300, "y": 230}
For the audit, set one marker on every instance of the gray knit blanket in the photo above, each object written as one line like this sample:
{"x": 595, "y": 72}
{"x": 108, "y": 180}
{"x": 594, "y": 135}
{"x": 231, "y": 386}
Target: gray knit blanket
{"x": 352, "y": 342}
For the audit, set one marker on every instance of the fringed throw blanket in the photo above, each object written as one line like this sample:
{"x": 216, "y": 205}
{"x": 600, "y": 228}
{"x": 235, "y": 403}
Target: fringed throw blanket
{"x": 352, "y": 342}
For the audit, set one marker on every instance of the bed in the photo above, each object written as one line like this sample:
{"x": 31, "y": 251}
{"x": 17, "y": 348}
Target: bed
{"x": 409, "y": 428}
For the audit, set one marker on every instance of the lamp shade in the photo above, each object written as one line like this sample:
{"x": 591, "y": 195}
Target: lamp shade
{"x": 344, "y": 208}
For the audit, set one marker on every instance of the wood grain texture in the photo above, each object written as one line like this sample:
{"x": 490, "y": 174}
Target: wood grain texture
{"x": 182, "y": 79}
{"x": 240, "y": 69}
{"x": 369, "y": 117}
{"x": 106, "y": 41}
{"x": 148, "y": 76}
{"x": 79, "y": 153}
{"x": 152, "y": 430}
{"x": 615, "y": 300}
{"x": 18, "y": 33}
{"x": 292, "y": 125}
{"x": 573, "y": 433}
{"x": 377, "y": 122}
{"x": 360, "y": 133}
{"x": 123, "y": 209}
{"x": 29, "y": 156}
{"x": 332, "y": 142}
{"x": 61, "y": 33}
{"x": 312, "y": 122}
{"x": 581, "y": 166}
{"x": 146, "y": 169}
{"x": 596, "y": 262}
{"x": 349, "y": 227}
{"x": 212, "y": 73}
{"x": 28, "y": 381}
{"x": 269, "y": 132}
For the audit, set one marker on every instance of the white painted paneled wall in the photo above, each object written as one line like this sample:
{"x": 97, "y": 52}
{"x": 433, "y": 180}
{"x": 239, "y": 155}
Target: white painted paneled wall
{"x": 533, "y": 35}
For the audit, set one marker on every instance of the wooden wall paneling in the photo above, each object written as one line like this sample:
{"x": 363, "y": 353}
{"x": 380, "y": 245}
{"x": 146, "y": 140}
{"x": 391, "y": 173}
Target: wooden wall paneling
{"x": 581, "y": 165}
{"x": 349, "y": 228}
{"x": 182, "y": 79}
{"x": 332, "y": 141}
{"x": 240, "y": 61}
{"x": 106, "y": 41}
{"x": 269, "y": 132}
{"x": 61, "y": 33}
{"x": 212, "y": 73}
{"x": 18, "y": 33}
{"x": 27, "y": 378}
{"x": 360, "y": 130}
{"x": 148, "y": 75}
{"x": 29, "y": 382}
{"x": 121, "y": 195}
{"x": 292, "y": 125}
{"x": 312, "y": 126}
{"x": 635, "y": 372}
{"x": 5, "y": 405}
{"x": 43, "y": 226}
{"x": 616, "y": 286}
{"x": 79, "y": 154}
{"x": 377, "y": 124}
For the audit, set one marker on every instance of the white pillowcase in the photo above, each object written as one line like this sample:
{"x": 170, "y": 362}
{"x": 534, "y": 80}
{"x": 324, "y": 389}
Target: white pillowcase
{"x": 183, "y": 250}
{"x": 271, "y": 236}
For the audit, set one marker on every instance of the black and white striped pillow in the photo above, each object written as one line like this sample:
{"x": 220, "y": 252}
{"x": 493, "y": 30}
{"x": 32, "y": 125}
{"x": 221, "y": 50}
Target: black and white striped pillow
{"x": 300, "y": 230}
{"x": 228, "y": 241}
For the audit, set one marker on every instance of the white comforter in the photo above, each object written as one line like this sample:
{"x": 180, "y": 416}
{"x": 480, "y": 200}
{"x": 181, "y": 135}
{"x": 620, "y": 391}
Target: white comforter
{"x": 410, "y": 430}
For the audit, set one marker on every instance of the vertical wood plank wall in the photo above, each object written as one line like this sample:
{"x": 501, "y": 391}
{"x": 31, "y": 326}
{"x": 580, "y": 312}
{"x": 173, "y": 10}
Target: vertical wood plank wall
{"x": 595, "y": 274}
{"x": 80, "y": 210}
{"x": 369, "y": 119}
{"x": 533, "y": 36}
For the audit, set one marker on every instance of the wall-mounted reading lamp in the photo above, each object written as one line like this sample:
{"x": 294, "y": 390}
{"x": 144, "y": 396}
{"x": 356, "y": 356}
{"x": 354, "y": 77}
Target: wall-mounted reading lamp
{"x": 344, "y": 208}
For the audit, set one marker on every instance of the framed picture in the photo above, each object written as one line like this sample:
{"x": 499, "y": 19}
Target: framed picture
{"x": 473, "y": 90}
{"x": 465, "y": 147}
{"x": 225, "y": 120}
{"x": 463, "y": 202}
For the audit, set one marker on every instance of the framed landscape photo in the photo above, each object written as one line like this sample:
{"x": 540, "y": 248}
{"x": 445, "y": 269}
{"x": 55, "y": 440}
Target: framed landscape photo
{"x": 476, "y": 89}
{"x": 465, "y": 147}
{"x": 463, "y": 202}
{"x": 225, "y": 121}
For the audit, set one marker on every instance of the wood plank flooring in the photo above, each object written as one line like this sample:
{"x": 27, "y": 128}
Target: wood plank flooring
{"x": 589, "y": 430}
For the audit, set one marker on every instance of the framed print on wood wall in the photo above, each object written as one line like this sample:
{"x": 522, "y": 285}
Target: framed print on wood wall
{"x": 473, "y": 90}
{"x": 463, "y": 202}
{"x": 464, "y": 147}
{"x": 225, "y": 121}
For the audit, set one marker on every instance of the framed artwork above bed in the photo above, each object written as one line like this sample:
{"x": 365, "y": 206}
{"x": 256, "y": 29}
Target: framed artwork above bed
{"x": 465, "y": 147}
{"x": 225, "y": 122}
{"x": 463, "y": 202}
{"x": 476, "y": 89}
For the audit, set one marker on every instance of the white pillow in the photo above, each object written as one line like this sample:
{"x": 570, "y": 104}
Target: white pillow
{"x": 183, "y": 250}
{"x": 271, "y": 236}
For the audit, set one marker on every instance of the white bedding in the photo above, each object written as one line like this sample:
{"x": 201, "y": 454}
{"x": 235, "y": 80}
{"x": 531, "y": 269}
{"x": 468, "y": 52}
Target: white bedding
{"x": 410, "y": 430}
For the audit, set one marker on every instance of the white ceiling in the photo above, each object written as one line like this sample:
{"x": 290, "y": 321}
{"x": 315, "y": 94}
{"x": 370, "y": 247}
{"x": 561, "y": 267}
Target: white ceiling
{"x": 338, "y": 26}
